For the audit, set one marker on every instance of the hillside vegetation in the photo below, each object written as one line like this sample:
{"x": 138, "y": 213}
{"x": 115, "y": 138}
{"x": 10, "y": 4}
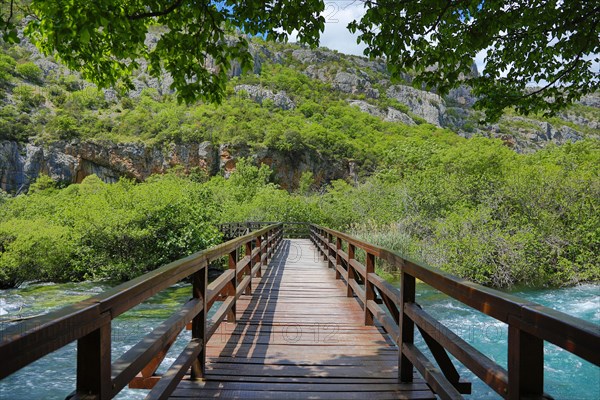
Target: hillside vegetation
{"x": 411, "y": 180}
{"x": 472, "y": 207}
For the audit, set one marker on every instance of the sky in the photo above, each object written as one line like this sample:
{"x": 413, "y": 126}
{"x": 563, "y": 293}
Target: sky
{"x": 338, "y": 14}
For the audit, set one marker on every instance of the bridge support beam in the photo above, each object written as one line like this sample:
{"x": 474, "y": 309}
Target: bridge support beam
{"x": 351, "y": 255}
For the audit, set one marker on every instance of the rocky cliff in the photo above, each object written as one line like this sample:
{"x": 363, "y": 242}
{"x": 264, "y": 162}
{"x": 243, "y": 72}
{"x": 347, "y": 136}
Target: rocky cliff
{"x": 42, "y": 118}
{"x": 71, "y": 162}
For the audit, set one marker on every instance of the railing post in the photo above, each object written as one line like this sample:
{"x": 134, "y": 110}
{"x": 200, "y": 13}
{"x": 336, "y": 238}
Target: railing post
{"x": 525, "y": 364}
{"x": 199, "y": 283}
{"x": 94, "y": 363}
{"x": 338, "y": 247}
{"x": 259, "y": 255}
{"x": 330, "y": 251}
{"x": 267, "y": 248}
{"x": 325, "y": 237}
{"x": 369, "y": 290}
{"x": 248, "y": 247}
{"x": 351, "y": 252}
{"x": 232, "y": 285}
{"x": 407, "y": 327}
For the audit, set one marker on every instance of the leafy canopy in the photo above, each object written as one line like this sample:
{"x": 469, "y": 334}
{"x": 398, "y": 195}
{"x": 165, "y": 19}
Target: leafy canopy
{"x": 107, "y": 40}
{"x": 550, "y": 43}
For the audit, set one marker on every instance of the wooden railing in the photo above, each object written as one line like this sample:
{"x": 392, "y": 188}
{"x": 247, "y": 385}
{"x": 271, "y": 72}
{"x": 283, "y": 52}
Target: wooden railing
{"x": 89, "y": 321}
{"x": 290, "y": 229}
{"x": 529, "y": 324}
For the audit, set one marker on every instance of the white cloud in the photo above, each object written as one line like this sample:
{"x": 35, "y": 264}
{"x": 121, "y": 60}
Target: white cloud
{"x": 480, "y": 60}
{"x": 338, "y": 14}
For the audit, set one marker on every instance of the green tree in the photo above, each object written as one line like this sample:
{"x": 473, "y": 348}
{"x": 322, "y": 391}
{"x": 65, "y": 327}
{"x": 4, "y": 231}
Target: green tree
{"x": 105, "y": 40}
{"x": 551, "y": 43}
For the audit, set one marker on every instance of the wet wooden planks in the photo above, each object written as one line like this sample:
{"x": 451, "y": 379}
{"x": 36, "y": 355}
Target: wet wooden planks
{"x": 299, "y": 337}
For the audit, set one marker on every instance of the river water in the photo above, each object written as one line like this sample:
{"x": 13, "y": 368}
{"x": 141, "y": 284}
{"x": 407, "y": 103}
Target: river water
{"x": 53, "y": 377}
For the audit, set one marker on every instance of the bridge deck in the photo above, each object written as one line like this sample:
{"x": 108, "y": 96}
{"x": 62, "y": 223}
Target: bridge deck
{"x": 298, "y": 336}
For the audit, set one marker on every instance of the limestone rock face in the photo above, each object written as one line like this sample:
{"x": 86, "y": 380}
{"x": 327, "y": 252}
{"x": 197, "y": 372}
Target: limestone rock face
{"x": 394, "y": 115}
{"x": 71, "y": 162}
{"x": 260, "y": 94}
{"x": 352, "y": 83}
{"x": 429, "y": 106}
{"x": 308, "y": 56}
{"x": 288, "y": 167}
{"x": 391, "y": 115}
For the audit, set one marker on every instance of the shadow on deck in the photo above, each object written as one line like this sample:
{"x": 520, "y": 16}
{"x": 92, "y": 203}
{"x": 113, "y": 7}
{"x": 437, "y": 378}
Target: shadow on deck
{"x": 300, "y": 336}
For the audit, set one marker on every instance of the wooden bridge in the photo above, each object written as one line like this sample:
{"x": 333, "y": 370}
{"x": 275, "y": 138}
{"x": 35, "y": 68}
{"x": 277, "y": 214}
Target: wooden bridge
{"x": 296, "y": 319}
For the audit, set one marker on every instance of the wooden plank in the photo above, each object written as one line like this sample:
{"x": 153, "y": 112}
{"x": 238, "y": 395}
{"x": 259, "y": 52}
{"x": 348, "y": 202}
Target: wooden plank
{"x": 358, "y": 291}
{"x": 242, "y": 286}
{"x": 242, "y": 264}
{"x": 199, "y": 331}
{"x": 32, "y": 339}
{"x": 406, "y": 325}
{"x": 487, "y": 370}
{"x": 392, "y": 292}
{"x": 299, "y": 336}
{"x": 220, "y": 315}
{"x": 434, "y": 377}
{"x": 300, "y": 395}
{"x": 384, "y": 318}
{"x": 575, "y": 335}
{"x": 217, "y": 286}
{"x": 358, "y": 267}
{"x": 369, "y": 289}
{"x": 129, "y": 364}
{"x": 525, "y": 365}
{"x": 168, "y": 382}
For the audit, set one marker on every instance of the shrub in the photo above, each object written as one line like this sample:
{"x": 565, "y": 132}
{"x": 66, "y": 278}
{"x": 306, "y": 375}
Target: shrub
{"x": 28, "y": 97}
{"x": 30, "y": 72}
{"x": 7, "y": 69}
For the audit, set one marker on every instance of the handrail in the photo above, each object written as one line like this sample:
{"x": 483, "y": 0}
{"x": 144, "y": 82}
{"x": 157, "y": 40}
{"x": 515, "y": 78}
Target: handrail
{"x": 290, "y": 229}
{"x": 89, "y": 321}
{"x": 395, "y": 310}
{"x": 529, "y": 324}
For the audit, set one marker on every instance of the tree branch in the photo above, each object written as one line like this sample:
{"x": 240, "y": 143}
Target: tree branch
{"x": 151, "y": 14}
{"x": 439, "y": 18}
{"x": 563, "y": 73}
{"x": 11, "y": 12}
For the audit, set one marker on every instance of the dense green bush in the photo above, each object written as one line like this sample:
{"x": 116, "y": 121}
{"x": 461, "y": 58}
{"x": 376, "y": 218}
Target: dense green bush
{"x": 103, "y": 231}
{"x": 484, "y": 213}
{"x": 14, "y": 124}
{"x": 470, "y": 207}
{"x": 28, "y": 97}
{"x": 7, "y": 69}
{"x": 30, "y": 72}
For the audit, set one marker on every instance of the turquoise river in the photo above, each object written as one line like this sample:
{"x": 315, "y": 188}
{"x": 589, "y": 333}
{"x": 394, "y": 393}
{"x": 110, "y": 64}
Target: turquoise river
{"x": 53, "y": 377}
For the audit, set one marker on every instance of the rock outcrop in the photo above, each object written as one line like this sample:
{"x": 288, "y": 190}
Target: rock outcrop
{"x": 391, "y": 114}
{"x": 71, "y": 162}
{"x": 428, "y": 106}
{"x": 260, "y": 94}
